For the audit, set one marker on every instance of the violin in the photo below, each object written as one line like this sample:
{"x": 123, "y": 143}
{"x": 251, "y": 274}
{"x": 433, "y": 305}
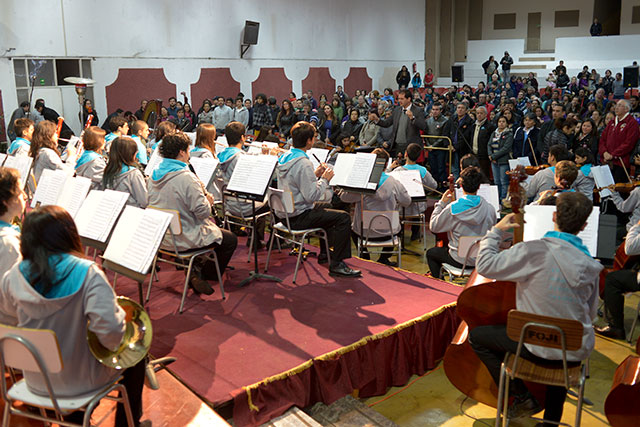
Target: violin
{"x": 532, "y": 170}
{"x": 452, "y": 186}
{"x": 626, "y": 187}
{"x": 485, "y": 302}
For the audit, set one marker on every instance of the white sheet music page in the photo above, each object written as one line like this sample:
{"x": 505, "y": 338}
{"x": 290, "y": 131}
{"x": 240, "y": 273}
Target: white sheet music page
{"x": 205, "y": 168}
{"x": 51, "y": 184}
{"x": 22, "y": 163}
{"x": 221, "y": 144}
{"x": 411, "y": 180}
{"x": 252, "y": 174}
{"x": 74, "y": 193}
{"x": 136, "y": 238}
{"x": 154, "y": 161}
{"x": 353, "y": 170}
{"x": 320, "y": 153}
{"x": 603, "y": 178}
{"x": 524, "y": 161}
{"x": 488, "y": 193}
{"x": 539, "y": 219}
{"x": 99, "y": 212}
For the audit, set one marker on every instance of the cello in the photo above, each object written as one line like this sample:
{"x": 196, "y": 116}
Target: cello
{"x": 620, "y": 407}
{"x": 442, "y": 239}
{"x": 485, "y": 302}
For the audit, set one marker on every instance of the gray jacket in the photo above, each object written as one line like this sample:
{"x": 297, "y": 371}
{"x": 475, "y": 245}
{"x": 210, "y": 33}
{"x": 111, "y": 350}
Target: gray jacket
{"x": 435, "y": 128}
{"x": 554, "y": 278}
{"x": 134, "y": 183}
{"x": 390, "y": 196}
{"x": 631, "y": 204}
{"x": 235, "y": 206}
{"x": 241, "y": 115}
{"x": 541, "y": 181}
{"x": 9, "y": 248}
{"x": 298, "y": 177}
{"x": 94, "y": 171}
{"x": 48, "y": 159}
{"x": 471, "y": 222}
{"x": 182, "y": 191}
{"x": 369, "y": 134}
{"x": 222, "y": 115}
{"x": 95, "y": 301}
{"x": 632, "y": 242}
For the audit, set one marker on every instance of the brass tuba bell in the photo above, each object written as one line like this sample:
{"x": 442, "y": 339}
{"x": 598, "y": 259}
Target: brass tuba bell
{"x": 135, "y": 342}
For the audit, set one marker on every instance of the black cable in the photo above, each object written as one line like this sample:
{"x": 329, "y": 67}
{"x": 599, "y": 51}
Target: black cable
{"x": 470, "y": 416}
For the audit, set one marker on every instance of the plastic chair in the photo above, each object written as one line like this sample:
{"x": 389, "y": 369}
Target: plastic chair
{"x": 382, "y": 223}
{"x": 282, "y": 202}
{"x": 182, "y": 259}
{"x": 37, "y": 350}
{"x": 468, "y": 247}
{"x": 544, "y": 331}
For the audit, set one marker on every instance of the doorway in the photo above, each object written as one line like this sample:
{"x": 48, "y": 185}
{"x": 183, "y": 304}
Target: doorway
{"x": 533, "y": 31}
{"x": 608, "y": 13}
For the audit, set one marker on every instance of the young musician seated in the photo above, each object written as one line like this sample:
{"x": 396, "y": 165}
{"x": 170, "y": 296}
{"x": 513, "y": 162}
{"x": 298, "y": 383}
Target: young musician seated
{"x": 24, "y": 130}
{"x": 391, "y": 195}
{"x": 629, "y": 205}
{"x": 91, "y": 164}
{"x": 616, "y": 284}
{"x": 164, "y": 128}
{"x": 235, "y": 133}
{"x": 555, "y": 276}
{"x": 296, "y": 175}
{"x": 564, "y": 176}
{"x": 205, "y": 146}
{"x": 140, "y": 134}
{"x": 173, "y": 186}
{"x": 411, "y": 155}
{"x": 119, "y": 127}
{"x": 585, "y": 183}
{"x": 470, "y": 215}
{"x": 122, "y": 172}
{"x": 44, "y": 150}
{"x": 55, "y": 288}
{"x": 544, "y": 179}
{"x": 471, "y": 160}
{"x": 12, "y": 203}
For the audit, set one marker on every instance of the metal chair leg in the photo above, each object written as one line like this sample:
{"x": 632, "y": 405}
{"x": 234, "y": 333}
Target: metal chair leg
{"x": 580, "y": 399}
{"x": 295, "y": 273}
{"x": 153, "y": 269}
{"x": 274, "y": 236}
{"x": 500, "y": 397}
{"x": 251, "y": 248}
{"x": 220, "y": 279}
{"x": 186, "y": 283}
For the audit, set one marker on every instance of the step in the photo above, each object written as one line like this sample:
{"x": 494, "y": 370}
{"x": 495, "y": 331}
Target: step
{"x": 533, "y": 52}
{"x": 537, "y": 59}
{"x": 529, "y": 67}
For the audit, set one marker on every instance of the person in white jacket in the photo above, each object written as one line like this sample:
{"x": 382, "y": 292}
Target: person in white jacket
{"x": 55, "y": 288}
{"x": 12, "y": 203}
{"x": 555, "y": 276}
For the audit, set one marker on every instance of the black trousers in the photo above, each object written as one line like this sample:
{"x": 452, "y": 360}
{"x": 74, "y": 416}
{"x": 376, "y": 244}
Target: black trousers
{"x": 616, "y": 284}
{"x": 437, "y": 256}
{"x": 337, "y": 224}
{"x": 491, "y": 343}
{"x": 224, "y": 252}
{"x": 619, "y": 175}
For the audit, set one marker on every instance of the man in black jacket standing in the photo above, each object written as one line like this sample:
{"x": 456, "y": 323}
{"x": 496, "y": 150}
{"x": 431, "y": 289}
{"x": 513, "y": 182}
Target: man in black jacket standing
{"x": 407, "y": 121}
{"x": 459, "y": 128}
{"x": 50, "y": 114}
{"x": 481, "y": 132}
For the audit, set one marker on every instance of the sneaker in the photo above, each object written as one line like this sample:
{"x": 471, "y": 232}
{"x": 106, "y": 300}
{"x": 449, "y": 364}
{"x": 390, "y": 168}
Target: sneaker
{"x": 524, "y": 406}
{"x": 610, "y": 332}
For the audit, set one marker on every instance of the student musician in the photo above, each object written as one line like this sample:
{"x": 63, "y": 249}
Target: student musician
{"x": 140, "y": 134}
{"x": 296, "y": 175}
{"x": 629, "y": 205}
{"x": 44, "y": 150}
{"x": 91, "y": 164}
{"x": 545, "y": 178}
{"x": 122, "y": 172}
{"x": 205, "y": 146}
{"x": 391, "y": 195}
{"x": 24, "y": 130}
{"x": 616, "y": 284}
{"x": 411, "y": 155}
{"x": 118, "y": 126}
{"x": 555, "y": 276}
{"x": 55, "y": 288}
{"x": 470, "y": 215}
{"x": 12, "y": 204}
{"x": 164, "y": 128}
{"x": 173, "y": 186}
{"x": 565, "y": 175}
{"x": 585, "y": 183}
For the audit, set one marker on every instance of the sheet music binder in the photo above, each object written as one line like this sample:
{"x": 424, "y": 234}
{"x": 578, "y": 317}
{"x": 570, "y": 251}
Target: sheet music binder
{"x": 374, "y": 179}
{"x": 258, "y": 168}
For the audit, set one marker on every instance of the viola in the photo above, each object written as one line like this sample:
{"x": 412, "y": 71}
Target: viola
{"x": 452, "y": 185}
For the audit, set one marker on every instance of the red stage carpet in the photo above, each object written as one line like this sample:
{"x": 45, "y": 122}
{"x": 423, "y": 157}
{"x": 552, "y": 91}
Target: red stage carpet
{"x": 316, "y": 340}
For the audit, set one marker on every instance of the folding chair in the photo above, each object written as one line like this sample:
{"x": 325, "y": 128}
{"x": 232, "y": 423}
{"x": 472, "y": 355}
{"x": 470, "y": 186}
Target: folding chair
{"x": 382, "y": 223}
{"x": 282, "y": 202}
{"x": 37, "y": 350}
{"x": 182, "y": 259}
{"x": 241, "y": 221}
{"x": 468, "y": 249}
{"x": 544, "y": 331}
{"x": 420, "y": 220}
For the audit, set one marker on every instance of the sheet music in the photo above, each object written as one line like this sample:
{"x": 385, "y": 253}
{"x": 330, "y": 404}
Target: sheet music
{"x": 354, "y": 170}
{"x": 221, "y": 144}
{"x": 99, "y": 212}
{"x": 411, "y": 180}
{"x": 256, "y": 147}
{"x": 205, "y": 168}
{"x": 3, "y": 157}
{"x": 603, "y": 178}
{"x": 524, "y": 161}
{"x": 252, "y": 174}
{"x": 49, "y": 187}
{"x": 487, "y": 192}
{"x": 539, "y": 219}
{"x": 321, "y": 153}
{"x": 75, "y": 191}
{"x": 22, "y": 164}
{"x": 137, "y": 237}
{"x": 192, "y": 139}
{"x": 154, "y": 161}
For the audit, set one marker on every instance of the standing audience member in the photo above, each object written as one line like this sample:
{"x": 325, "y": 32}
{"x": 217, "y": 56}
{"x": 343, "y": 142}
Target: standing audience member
{"x": 482, "y": 130}
{"x": 499, "y": 151}
{"x": 618, "y": 140}
{"x": 21, "y": 112}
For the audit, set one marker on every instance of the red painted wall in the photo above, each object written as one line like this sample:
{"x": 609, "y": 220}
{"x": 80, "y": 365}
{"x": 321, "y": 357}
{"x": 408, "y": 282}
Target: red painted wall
{"x": 272, "y": 82}
{"x": 357, "y": 79}
{"x": 213, "y": 82}
{"x": 319, "y": 81}
{"x": 135, "y": 84}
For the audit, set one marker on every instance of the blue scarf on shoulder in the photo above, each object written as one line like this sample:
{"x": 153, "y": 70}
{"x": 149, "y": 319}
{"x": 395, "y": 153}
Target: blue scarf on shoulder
{"x": 69, "y": 275}
{"x": 166, "y": 166}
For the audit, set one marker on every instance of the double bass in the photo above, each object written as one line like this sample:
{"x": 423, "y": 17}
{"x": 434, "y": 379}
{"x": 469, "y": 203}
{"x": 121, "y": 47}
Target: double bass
{"x": 620, "y": 407}
{"x": 485, "y": 302}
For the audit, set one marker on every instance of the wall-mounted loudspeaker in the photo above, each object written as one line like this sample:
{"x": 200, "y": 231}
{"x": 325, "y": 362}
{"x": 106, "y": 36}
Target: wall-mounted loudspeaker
{"x": 457, "y": 73}
{"x": 250, "y": 32}
{"x": 630, "y": 76}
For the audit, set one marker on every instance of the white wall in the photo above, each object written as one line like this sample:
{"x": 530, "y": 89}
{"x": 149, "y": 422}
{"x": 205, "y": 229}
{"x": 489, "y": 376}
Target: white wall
{"x": 548, "y": 32}
{"x": 184, "y": 35}
{"x": 626, "y": 27}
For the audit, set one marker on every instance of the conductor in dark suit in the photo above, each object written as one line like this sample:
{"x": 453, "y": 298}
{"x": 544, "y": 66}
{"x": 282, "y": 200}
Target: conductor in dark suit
{"x": 407, "y": 121}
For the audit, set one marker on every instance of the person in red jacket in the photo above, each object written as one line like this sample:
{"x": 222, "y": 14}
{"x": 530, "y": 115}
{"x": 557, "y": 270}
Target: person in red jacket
{"x": 618, "y": 140}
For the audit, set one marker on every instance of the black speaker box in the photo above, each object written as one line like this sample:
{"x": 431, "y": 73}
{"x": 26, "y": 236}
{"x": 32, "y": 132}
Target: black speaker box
{"x": 457, "y": 73}
{"x": 250, "y": 32}
{"x": 630, "y": 76}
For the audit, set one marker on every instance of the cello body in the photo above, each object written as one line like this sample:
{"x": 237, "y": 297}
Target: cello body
{"x": 621, "y": 406}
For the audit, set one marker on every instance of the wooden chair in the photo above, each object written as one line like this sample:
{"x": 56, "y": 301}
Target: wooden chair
{"x": 468, "y": 247}
{"x": 544, "y": 331}
{"x": 37, "y": 350}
